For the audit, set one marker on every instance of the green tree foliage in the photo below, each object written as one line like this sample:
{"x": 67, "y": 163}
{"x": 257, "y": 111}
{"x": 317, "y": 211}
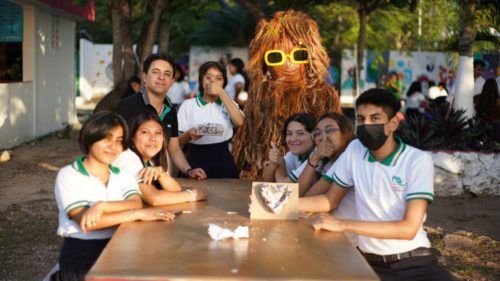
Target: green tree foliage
{"x": 229, "y": 23}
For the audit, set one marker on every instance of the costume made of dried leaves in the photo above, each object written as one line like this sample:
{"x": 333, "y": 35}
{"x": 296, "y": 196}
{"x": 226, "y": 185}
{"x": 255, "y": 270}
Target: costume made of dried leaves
{"x": 272, "y": 100}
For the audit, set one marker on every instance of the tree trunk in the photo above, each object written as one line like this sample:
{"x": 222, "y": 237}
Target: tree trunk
{"x": 142, "y": 36}
{"x": 152, "y": 30}
{"x": 117, "y": 41}
{"x": 164, "y": 36}
{"x": 126, "y": 30}
{"x": 363, "y": 22}
{"x": 464, "y": 83}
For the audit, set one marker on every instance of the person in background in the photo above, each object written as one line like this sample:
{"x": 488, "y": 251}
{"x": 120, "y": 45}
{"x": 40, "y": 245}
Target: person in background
{"x": 394, "y": 85}
{"x": 122, "y": 90}
{"x": 158, "y": 73}
{"x": 239, "y": 80}
{"x": 206, "y": 123}
{"x": 296, "y": 135}
{"x": 479, "y": 81}
{"x": 487, "y": 104}
{"x": 93, "y": 197}
{"x": 179, "y": 90}
{"x": 416, "y": 102}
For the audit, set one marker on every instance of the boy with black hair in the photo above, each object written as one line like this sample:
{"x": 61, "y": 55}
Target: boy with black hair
{"x": 158, "y": 75}
{"x": 393, "y": 185}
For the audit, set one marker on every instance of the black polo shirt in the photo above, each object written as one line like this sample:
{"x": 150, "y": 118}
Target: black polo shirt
{"x": 139, "y": 102}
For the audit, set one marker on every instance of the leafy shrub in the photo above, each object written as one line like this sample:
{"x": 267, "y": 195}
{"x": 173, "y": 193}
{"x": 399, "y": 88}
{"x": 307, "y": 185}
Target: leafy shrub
{"x": 453, "y": 132}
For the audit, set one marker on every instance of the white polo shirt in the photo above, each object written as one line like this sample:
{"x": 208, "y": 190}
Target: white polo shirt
{"x": 295, "y": 173}
{"x": 382, "y": 190}
{"x": 197, "y": 112}
{"x": 129, "y": 162}
{"x": 76, "y": 188}
{"x": 295, "y": 164}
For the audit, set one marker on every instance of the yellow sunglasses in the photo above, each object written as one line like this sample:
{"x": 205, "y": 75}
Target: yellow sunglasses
{"x": 278, "y": 57}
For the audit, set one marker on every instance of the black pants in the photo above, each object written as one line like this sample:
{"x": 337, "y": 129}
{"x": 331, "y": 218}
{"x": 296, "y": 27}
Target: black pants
{"x": 77, "y": 257}
{"x": 414, "y": 269}
{"x": 215, "y": 159}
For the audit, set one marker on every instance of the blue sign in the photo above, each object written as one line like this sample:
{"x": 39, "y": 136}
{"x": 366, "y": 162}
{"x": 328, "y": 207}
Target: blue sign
{"x": 11, "y": 22}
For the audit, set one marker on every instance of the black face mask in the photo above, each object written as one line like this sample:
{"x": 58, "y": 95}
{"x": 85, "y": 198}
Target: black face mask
{"x": 371, "y": 136}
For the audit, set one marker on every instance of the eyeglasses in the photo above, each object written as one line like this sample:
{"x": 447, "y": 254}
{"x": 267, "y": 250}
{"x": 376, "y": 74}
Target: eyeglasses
{"x": 317, "y": 133}
{"x": 278, "y": 57}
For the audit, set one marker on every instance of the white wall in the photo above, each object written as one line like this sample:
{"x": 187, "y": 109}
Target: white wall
{"x": 55, "y": 72}
{"x": 45, "y": 101}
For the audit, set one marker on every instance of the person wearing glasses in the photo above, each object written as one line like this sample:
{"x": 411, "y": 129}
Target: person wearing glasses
{"x": 296, "y": 135}
{"x": 332, "y": 135}
{"x": 158, "y": 76}
{"x": 206, "y": 123}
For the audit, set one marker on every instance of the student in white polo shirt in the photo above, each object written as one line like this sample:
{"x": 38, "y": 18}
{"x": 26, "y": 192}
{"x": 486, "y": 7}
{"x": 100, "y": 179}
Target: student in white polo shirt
{"x": 206, "y": 124}
{"x": 146, "y": 160}
{"x": 93, "y": 196}
{"x": 296, "y": 136}
{"x": 393, "y": 185}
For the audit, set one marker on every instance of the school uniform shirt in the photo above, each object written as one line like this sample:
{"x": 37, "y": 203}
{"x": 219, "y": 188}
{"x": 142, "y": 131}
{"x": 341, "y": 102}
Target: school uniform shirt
{"x": 383, "y": 189}
{"x": 295, "y": 165}
{"x": 76, "y": 188}
{"x": 129, "y": 162}
{"x": 231, "y": 85}
{"x": 197, "y": 112}
{"x": 139, "y": 102}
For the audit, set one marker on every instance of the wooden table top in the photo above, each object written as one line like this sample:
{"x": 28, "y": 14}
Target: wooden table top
{"x": 183, "y": 250}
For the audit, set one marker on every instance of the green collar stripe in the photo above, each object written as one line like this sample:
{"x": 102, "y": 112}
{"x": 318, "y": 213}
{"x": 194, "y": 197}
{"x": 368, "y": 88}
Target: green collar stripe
{"x": 81, "y": 167}
{"x": 166, "y": 110}
{"x": 83, "y": 171}
{"x": 202, "y": 102}
{"x": 305, "y": 156}
{"x": 392, "y": 158}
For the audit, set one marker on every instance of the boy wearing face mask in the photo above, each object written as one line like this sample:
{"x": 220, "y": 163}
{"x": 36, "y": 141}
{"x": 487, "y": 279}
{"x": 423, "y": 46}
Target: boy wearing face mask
{"x": 393, "y": 185}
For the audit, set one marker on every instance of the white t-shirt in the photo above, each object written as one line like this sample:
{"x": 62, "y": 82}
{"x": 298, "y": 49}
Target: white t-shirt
{"x": 415, "y": 100}
{"x": 478, "y": 85}
{"x": 76, "y": 188}
{"x": 211, "y": 119}
{"x": 178, "y": 92}
{"x": 382, "y": 190}
{"x": 231, "y": 85}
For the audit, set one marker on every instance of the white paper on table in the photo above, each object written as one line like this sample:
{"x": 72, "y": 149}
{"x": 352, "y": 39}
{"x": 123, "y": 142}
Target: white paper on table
{"x": 218, "y": 233}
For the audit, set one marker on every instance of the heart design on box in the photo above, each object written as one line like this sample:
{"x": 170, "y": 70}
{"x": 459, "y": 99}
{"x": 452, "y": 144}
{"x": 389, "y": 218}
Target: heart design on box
{"x": 275, "y": 196}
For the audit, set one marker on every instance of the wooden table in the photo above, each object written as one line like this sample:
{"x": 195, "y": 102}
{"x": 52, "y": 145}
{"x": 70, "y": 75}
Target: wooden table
{"x": 182, "y": 250}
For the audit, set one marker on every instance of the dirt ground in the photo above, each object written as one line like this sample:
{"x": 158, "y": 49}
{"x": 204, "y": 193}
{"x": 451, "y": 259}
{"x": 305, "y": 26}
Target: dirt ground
{"x": 465, "y": 230}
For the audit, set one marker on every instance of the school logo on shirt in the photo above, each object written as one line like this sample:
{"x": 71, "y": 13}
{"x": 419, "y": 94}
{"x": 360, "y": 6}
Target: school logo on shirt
{"x": 398, "y": 184}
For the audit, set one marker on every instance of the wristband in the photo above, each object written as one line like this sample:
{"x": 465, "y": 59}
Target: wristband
{"x": 193, "y": 197}
{"x": 309, "y": 163}
{"x": 188, "y": 170}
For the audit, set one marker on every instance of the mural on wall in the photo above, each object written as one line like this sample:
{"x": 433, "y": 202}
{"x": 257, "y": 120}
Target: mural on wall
{"x": 436, "y": 66}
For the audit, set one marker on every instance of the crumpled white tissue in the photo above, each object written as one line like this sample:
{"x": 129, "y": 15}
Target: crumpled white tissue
{"x": 218, "y": 233}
